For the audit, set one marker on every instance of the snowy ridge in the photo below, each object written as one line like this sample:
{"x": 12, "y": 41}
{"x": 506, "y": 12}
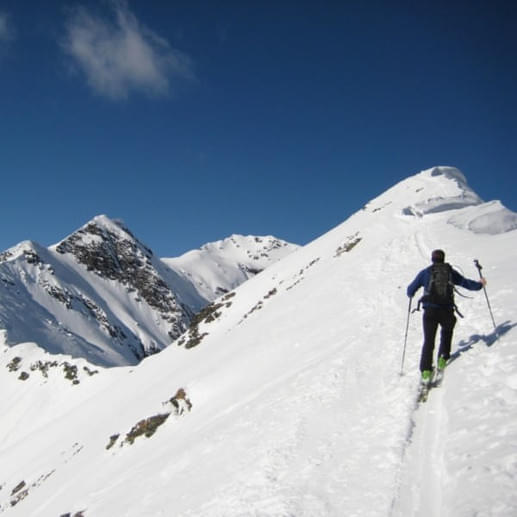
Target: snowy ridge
{"x": 292, "y": 402}
{"x": 220, "y": 266}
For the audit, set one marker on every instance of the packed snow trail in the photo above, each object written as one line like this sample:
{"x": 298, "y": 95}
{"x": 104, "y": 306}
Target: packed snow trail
{"x": 423, "y": 464}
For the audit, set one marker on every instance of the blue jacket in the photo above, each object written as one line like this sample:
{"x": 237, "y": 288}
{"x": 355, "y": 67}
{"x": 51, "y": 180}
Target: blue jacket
{"x": 422, "y": 280}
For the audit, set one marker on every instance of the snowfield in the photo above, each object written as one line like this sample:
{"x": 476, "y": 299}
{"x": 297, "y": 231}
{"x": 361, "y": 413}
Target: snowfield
{"x": 292, "y": 402}
{"x": 219, "y": 267}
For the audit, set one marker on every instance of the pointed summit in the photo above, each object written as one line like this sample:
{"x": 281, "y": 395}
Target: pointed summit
{"x": 100, "y": 232}
{"x": 111, "y": 251}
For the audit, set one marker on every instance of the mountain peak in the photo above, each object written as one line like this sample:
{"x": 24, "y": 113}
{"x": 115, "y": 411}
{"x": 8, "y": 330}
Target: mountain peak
{"x": 220, "y": 266}
{"x": 104, "y": 233}
{"x": 444, "y": 190}
{"x": 101, "y": 227}
{"x": 441, "y": 189}
{"x": 104, "y": 221}
{"x": 433, "y": 190}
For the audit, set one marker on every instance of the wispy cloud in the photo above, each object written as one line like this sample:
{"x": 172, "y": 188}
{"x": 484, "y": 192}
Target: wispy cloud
{"x": 6, "y": 28}
{"x": 119, "y": 55}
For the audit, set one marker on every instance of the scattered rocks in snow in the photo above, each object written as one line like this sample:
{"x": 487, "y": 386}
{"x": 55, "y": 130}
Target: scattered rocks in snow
{"x": 379, "y": 208}
{"x": 299, "y": 276}
{"x": 260, "y": 304}
{"x": 73, "y": 451}
{"x": 210, "y": 313}
{"x": 146, "y": 427}
{"x": 90, "y": 372}
{"x": 23, "y": 376}
{"x": 270, "y": 293}
{"x": 18, "y": 487}
{"x": 19, "y": 492}
{"x": 6, "y": 255}
{"x": 43, "y": 367}
{"x": 194, "y": 337}
{"x": 14, "y": 364}
{"x": 288, "y": 288}
{"x": 71, "y": 371}
{"x": 180, "y": 403}
{"x": 349, "y": 244}
{"x": 256, "y": 307}
{"x": 113, "y": 441}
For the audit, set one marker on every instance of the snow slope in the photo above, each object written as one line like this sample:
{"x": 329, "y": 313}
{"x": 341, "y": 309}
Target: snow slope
{"x": 293, "y": 401}
{"x": 219, "y": 267}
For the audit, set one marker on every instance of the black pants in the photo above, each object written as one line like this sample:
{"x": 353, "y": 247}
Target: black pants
{"x": 434, "y": 316}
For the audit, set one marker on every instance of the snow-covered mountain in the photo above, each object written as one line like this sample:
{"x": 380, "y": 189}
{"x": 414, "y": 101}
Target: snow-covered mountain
{"x": 286, "y": 397}
{"x": 219, "y": 267}
{"x": 102, "y": 294}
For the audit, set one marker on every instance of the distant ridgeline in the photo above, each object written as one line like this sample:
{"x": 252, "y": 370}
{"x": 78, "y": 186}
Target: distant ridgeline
{"x": 103, "y": 295}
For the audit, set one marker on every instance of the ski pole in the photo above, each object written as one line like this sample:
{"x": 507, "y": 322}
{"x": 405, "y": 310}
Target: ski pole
{"x": 405, "y": 337}
{"x": 479, "y": 268}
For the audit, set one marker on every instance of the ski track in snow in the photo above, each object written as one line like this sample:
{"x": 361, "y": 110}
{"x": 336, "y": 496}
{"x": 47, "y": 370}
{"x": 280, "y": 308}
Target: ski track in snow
{"x": 435, "y": 460}
{"x": 419, "y": 492}
{"x": 427, "y": 479}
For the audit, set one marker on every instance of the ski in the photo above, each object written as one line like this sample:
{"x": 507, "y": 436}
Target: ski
{"x": 425, "y": 387}
{"x": 423, "y": 391}
{"x": 438, "y": 378}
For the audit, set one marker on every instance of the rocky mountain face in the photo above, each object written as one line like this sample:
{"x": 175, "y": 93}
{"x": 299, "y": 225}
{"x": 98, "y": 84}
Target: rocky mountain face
{"x": 101, "y": 294}
{"x": 113, "y": 253}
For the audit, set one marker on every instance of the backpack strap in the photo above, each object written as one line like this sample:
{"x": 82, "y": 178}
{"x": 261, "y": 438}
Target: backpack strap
{"x": 454, "y": 306}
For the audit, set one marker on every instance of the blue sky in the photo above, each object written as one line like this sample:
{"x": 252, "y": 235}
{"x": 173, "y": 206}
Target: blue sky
{"x": 192, "y": 120}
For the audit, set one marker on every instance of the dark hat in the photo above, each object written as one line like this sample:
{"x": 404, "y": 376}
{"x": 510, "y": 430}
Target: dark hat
{"x": 438, "y": 256}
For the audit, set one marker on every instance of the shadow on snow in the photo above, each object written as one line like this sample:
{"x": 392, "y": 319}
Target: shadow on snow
{"x": 488, "y": 339}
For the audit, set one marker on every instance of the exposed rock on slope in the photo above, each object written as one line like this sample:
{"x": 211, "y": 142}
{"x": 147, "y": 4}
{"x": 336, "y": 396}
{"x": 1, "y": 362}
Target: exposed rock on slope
{"x": 112, "y": 252}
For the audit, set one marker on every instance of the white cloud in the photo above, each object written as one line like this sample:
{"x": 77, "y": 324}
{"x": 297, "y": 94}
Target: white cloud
{"x": 120, "y": 55}
{"x": 6, "y": 28}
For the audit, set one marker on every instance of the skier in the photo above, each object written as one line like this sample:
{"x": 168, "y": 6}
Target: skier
{"x": 438, "y": 281}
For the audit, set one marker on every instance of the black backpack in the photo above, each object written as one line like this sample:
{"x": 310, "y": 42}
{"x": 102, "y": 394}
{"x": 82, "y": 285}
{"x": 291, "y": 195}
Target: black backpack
{"x": 440, "y": 290}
